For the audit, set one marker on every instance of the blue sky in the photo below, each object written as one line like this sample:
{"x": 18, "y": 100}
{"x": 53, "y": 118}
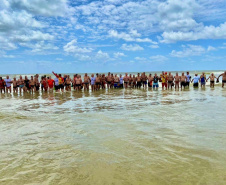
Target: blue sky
{"x": 111, "y": 35}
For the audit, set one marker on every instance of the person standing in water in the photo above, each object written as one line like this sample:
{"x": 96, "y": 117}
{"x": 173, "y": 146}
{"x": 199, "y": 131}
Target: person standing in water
{"x": 203, "y": 80}
{"x": 32, "y": 84}
{"x": 183, "y": 80}
{"x": 15, "y": 85}
{"x": 8, "y": 83}
{"x": 188, "y": 79}
{"x": 196, "y": 80}
{"x": 93, "y": 82}
{"x": 223, "y": 78}
{"x": 155, "y": 81}
{"x": 164, "y": 80}
{"x": 2, "y": 85}
{"x": 126, "y": 80}
{"x": 150, "y": 80}
{"x": 138, "y": 81}
{"x": 21, "y": 83}
{"x": 177, "y": 81}
{"x": 116, "y": 81}
{"x": 170, "y": 80}
{"x": 212, "y": 82}
{"x": 37, "y": 84}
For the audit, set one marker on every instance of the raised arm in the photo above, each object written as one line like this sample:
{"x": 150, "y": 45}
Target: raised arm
{"x": 55, "y": 74}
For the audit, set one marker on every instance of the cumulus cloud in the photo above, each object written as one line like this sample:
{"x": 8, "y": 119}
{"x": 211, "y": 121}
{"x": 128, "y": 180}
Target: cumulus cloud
{"x": 206, "y": 32}
{"x": 154, "y": 46}
{"x": 43, "y": 7}
{"x": 191, "y": 50}
{"x": 102, "y": 56}
{"x": 131, "y": 36}
{"x": 39, "y": 46}
{"x": 119, "y": 54}
{"x": 131, "y": 47}
{"x": 72, "y": 47}
{"x": 158, "y": 58}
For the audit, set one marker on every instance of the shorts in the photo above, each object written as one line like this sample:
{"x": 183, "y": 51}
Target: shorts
{"x": 155, "y": 85}
{"x": 187, "y": 84}
{"x": 223, "y": 81}
{"x": 164, "y": 84}
{"x": 149, "y": 84}
{"x": 61, "y": 86}
{"x": 32, "y": 86}
{"x": 115, "y": 84}
{"x": 67, "y": 85}
{"x": 196, "y": 85}
{"x": 97, "y": 83}
{"x": 138, "y": 84}
{"x": 125, "y": 82}
{"x": 14, "y": 87}
{"x": 212, "y": 82}
{"x": 57, "y": 87}
{"x": 203, "y": 83}
{"x": 108, "y": 82}
{"x": 21, "y": 86}
{"x": 183, "y": 84}
{"x": 50, "y": 86}
{"x": 37, "y": 87}
{"x": 92, "y": 83}
{"x": 77, "y": 85}
{"x": 145, "y": 82}
{"x": 86, "y": 83}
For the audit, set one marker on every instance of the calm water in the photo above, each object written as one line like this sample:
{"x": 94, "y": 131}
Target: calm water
{"x": 114, "y": 137}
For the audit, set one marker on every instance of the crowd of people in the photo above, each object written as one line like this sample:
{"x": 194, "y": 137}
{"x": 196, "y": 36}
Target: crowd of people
{"x": 98, "y": 81}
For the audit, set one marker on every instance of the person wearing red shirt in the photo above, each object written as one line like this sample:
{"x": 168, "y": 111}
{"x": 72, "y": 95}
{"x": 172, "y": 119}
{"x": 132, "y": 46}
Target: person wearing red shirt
{"x": 50, "y": 83}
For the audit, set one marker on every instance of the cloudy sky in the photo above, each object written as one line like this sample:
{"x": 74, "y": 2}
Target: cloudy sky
{"x": 111, "y": 35}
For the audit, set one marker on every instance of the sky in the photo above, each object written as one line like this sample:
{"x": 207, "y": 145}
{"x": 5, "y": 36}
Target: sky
{"x": 41, "y": 36}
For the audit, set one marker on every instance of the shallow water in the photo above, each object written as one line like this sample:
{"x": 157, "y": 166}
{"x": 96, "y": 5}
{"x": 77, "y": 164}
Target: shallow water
{"x": 114, "y": 137}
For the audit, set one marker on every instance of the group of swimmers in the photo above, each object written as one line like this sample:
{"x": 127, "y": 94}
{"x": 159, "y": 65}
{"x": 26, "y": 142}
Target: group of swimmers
{"x": 61, "y": 83}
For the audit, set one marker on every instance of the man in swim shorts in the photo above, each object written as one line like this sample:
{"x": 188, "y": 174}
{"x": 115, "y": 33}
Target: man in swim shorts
{"x": 15, "y": 85}
{"x": 126, "y": 80}
{"x": 139, "y": 81}
{"x": 212, "y": 78}
{"x": 177, "y": 81}
{"x": 183, "y": 80}
{"x": 32, "y": 84}
{"x": 203, "y": 79}
{"x": 155, "y": 81}
{"x": 196, "y": 80}
{"x": 188, "y": 79}
{"x": 150, "y": 80}
{"x": 21, "y": 84}
{"x": 8, "y": 83}
{"x": 223, "y": 78}
{"x": 170, "y": 80}
{"x": 37, "y": 84}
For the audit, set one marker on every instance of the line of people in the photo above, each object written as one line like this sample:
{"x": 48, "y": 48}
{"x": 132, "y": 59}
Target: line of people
{"x": 61, "y": 83}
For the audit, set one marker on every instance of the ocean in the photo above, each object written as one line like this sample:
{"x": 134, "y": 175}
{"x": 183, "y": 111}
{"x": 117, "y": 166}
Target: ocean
{"x": 116, "y": 136}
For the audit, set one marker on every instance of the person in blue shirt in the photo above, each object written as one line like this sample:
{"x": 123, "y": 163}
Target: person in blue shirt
{"x": 196, "y": 80}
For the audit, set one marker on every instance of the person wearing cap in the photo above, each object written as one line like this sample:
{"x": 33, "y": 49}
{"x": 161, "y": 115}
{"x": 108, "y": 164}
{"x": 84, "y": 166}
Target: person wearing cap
{"x": 196, "y": 80}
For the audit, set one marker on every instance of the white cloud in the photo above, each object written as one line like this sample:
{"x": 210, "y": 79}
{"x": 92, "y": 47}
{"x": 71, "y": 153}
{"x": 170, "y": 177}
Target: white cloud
{"x": 158, "y": 58}
{"x": 71, "y": 47}
{"x": 43, "y": 7}
{"x": 119, "y": 54}
{"x": 154, "y": 46}
{"x": 206, "y": 32}
{"x": 39, "y": 46}
{"x": 211, "y": 48}
{"x": 191, "y": 50}
{"x": 131, "y": 36}
{"x": 131, "y": 47}
{"x": 102, "y": 56}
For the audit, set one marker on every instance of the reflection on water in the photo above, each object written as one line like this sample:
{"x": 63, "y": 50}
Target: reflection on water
{"x": 114, "y": 137}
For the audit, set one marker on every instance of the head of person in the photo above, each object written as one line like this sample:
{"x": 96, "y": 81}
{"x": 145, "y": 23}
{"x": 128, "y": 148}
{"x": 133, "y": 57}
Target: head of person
{"x": 163, "y": 72}
{"x": 37, "y": 75}
{"x": 169, "y": 73}
{"x": 109, "y": 73}
{"x": 115, "y": 75}
{"x": 59, "y": 75}
{"x": 25, "y": 77}
{"x": 50, "y": 77}
{"x": 196, "y": 74}
{"x": 120, "y": 75}
{"x": 138, "y": 74}
{"x": 14, "y": 78}
{"x": 211, "y": 74}
{"x": 0, "y": 78}
{"x": 133, "y": 76}
{"x": 85, "y": 74}
{"x": 176, "y": 74}
{"x": 126, "y": 74}
{"x": 7, "y": 77}
{"x": 182, "y": 74}
{"x": 130, "y": 75}
{"x": 31, "y": 77}
{"x": 20, "y": 77}
{"x": 187, "y": 73}
{"x": 225, "y": 72}
{"x": 155, "y": 74}
{"x": 92, "y": 75}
